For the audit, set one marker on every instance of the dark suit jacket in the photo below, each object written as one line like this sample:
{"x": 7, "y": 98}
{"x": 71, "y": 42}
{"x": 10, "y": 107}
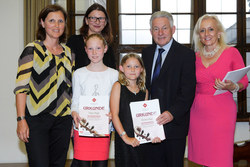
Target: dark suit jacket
{"x": 175, "y": 86}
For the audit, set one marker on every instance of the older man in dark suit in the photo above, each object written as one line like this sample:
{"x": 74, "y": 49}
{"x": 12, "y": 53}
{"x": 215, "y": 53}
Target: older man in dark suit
{"x": 170, "y": 69}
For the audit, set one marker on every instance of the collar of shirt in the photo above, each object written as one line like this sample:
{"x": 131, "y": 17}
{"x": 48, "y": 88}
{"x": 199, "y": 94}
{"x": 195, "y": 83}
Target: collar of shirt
{"x": 164, "y": 54}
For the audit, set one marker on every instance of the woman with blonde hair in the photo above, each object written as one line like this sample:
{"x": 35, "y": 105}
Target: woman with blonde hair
{"x": 213, "y": 117}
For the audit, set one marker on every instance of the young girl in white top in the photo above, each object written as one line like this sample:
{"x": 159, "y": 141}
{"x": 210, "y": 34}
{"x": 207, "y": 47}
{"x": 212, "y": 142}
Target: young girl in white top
{"x": 96, "y": 79}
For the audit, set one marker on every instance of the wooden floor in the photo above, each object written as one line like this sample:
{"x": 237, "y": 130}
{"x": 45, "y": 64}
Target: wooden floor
{"x": 111, "y": 164}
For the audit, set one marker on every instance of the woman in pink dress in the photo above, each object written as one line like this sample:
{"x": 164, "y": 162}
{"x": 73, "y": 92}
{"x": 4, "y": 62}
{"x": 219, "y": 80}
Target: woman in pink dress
{"x": 213, "y": 117}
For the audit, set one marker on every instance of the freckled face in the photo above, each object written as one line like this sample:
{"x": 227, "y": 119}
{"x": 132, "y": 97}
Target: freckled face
{"x": 209, "y": 33}
{"x": 54, "y": 24}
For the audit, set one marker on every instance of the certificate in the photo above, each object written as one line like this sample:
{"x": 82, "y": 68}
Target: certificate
{"x": 144, "y": 114}
{"x": 93, "y": 111}
{"x": 233, "y": 76}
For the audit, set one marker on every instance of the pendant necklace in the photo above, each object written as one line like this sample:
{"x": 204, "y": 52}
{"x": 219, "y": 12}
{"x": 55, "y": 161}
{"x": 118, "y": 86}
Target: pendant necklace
{"x": 134, "y": 91}
{"x": 211, "y": 53}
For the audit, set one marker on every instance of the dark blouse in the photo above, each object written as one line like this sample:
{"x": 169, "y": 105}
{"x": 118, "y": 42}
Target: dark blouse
{"x": 76, "y": 43}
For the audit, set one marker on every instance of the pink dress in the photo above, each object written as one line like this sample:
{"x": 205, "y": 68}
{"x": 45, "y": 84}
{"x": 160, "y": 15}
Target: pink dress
{"x": 213, "y": 118}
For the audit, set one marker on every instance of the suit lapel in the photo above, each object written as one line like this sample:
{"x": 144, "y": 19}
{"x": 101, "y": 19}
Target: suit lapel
{"x": 151, "y": 59}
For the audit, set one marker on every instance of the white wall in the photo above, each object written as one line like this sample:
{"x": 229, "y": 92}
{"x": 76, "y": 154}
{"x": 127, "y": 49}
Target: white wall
{"x": 11, "y": 46}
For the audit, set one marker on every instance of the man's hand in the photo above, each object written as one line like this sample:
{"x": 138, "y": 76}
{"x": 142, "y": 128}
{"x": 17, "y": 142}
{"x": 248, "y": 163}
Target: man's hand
{"x": 164, "y": 118}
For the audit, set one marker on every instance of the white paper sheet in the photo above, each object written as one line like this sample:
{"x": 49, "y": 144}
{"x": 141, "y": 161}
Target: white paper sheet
{"x": 93, "y": 110}
{"x": 234, "y": 76}
{"x": 144, "y": 114}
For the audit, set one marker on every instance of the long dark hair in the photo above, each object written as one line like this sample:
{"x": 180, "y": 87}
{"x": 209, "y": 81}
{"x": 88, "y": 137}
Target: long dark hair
{"x": 41, "y": 34}
{"x": 107, "y": 30}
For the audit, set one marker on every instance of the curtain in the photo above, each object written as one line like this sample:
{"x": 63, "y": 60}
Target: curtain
{"x": 32, "y": 9}
{"x": 101, "y": 2}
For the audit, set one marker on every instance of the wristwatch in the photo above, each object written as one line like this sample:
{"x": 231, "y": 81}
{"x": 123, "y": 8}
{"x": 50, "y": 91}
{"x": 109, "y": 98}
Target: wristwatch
{"x": 123, "y": 133}
{"x": 20, "y": 118}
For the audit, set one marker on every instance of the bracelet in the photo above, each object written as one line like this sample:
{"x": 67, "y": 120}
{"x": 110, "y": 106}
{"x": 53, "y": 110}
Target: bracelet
{"x": 123, "y": 133}
{"x": 236, "y": 89}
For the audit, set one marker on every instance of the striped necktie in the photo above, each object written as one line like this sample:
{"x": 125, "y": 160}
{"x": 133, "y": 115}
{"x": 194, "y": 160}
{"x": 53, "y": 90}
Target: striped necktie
{"x": 157, "y": 70}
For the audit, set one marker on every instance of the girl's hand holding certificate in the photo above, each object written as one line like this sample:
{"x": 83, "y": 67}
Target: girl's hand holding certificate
{"x": 76, "y": 118}
{"x": 130, "y": 141}
{"x": 110, "y": 116}
{"x": 156, "y": 140}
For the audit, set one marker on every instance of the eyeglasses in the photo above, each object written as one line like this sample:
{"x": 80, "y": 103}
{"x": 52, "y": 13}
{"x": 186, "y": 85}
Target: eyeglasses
{"x": 94, "y": 19}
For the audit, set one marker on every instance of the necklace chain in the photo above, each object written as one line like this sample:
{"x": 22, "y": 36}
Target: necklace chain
{"x": 134, "y": 91}
{"x": 211, "y": 53}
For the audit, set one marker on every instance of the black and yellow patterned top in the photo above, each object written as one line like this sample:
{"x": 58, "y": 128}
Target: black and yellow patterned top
{"x": 46, "y": 79}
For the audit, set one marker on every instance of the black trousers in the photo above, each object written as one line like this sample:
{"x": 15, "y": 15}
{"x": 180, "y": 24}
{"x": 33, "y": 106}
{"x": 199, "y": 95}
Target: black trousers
{"x": 169, "y": 153}
{"x": 48, "y": 140}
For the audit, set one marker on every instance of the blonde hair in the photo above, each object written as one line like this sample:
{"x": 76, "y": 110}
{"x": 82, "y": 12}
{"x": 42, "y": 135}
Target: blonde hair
{"x": 99, "y": 36}
{"x": 198, "y": 46}
{"x": 140, "y": 80}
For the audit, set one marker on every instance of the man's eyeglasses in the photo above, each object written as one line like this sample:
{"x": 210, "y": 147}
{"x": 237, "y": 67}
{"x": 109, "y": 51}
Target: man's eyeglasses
{"x": 94, "y": 19}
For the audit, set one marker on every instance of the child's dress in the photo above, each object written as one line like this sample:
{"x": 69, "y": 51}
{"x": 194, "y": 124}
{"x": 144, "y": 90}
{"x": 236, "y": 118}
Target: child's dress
{"x": 126, "y": 155}
{"x": 89, "y": 83}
